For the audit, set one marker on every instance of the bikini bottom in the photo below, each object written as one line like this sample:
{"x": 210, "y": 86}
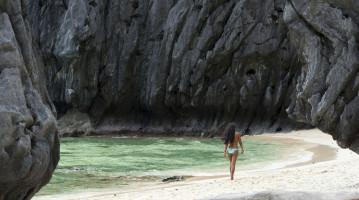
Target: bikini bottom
{"x": 231, "y": 151}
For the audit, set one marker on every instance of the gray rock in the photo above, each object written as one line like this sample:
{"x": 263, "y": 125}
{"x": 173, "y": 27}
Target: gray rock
{"x": 326, "y": 90}
{"x": 169, "y": 66}
{"x": 193, "y": 66}
{"x": 29, "y": 142}
{"x": 175, "y": 67}
{"x": 172, "y": 179}
{"x": 74, "y": 123}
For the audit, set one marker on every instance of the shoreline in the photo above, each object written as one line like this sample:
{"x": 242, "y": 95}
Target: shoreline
{"x": 329, "y": 169}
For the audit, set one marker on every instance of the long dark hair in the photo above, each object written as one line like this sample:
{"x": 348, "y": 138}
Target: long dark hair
{"x": 228, "y": 135}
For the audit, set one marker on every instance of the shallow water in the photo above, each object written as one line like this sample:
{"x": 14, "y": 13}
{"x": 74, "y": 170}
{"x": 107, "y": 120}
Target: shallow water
{"x": 103, "y": 162}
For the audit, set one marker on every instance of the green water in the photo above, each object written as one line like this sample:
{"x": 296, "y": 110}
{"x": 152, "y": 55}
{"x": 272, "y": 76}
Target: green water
{"x": 102, "y": 162}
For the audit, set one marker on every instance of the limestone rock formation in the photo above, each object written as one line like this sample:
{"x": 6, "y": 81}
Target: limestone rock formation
{"x": 29, "y": 142}
{"x": 169, "y": 66}
{"x": 326, "y": 34}
{"x": 192, "y": 66}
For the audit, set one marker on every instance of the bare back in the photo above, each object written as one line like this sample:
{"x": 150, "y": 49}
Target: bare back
{"x": 237, "y": 138}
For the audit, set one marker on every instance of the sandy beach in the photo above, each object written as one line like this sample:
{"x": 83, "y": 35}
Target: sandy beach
{"x": 329, "y": 169}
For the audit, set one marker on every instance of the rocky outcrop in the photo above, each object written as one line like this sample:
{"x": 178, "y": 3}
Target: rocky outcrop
{"x": 74, "y": 123}
{"x": 188, "y": 66}
{"x": 326, "y": 34}
{"x": 193, "y": 66}
{"x": 169, "y": 66}
{"x": 29, "y": 142}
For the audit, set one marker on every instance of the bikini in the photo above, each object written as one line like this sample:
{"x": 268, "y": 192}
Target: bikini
{"x": 231, "y": 151}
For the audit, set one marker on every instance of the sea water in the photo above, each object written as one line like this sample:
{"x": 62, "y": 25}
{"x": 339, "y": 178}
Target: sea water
{"x": 106, "y": 162}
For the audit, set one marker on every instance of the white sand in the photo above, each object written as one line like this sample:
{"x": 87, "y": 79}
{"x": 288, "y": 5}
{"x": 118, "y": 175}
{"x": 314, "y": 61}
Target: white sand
{"x": 331, "y": 169}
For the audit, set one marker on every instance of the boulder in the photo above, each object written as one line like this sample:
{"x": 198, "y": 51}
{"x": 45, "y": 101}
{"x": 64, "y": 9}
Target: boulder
{"x": 325, "y": 33}
{"x": 29, "y": 142}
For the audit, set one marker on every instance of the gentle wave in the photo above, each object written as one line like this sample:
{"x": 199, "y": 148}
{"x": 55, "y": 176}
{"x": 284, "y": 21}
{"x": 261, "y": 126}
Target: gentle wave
{"x": 296, "y": 158}
{"x": 121, "y": 160}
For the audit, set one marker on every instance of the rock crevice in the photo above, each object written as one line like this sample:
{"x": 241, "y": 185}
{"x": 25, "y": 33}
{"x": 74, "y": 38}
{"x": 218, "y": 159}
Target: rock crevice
{"x": 193, "y": 66}
{"x": 179, "y": 66}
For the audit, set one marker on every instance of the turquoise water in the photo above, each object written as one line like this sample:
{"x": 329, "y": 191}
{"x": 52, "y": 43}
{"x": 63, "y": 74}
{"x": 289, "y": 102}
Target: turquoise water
{"x": 104, "y": 162}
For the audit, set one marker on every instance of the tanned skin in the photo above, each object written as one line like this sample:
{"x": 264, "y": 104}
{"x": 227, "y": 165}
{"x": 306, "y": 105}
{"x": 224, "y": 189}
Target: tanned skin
{"x": 233, "y": 158}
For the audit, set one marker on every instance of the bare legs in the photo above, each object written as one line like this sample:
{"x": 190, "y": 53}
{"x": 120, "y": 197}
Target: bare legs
{"x": 232, "y": 163}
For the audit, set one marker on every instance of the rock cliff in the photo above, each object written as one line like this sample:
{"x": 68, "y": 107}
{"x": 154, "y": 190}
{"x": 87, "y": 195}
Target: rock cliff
{"x": 192, "y": 66}
{"x": 182, "y": 67}
{"x": 326, "y": 94}
{"x": 169, "y": 66}
{"x": 29, "y": 142}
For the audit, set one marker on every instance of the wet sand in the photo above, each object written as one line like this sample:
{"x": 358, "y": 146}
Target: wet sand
{"x": 329, "y": 169}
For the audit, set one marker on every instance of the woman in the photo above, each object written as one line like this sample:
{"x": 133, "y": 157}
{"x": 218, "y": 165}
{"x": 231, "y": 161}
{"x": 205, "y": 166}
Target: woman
{"x": 232, "y": 139}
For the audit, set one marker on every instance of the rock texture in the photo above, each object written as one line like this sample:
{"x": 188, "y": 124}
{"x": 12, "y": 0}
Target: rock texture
{"x": 29, "y": 142}
{"x": 74, "y": 123}
{"x": 192, "y": 66}
{"x": 326, "y": 34}
{"x": 169, "y": 66}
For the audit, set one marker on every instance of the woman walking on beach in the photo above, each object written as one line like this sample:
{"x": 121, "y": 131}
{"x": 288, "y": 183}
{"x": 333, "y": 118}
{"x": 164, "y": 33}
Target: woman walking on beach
{"x": 231, "y": 140}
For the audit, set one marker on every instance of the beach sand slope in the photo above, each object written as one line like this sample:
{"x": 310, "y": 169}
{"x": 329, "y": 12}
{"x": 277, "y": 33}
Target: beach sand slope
{"x": 331, "y": 170}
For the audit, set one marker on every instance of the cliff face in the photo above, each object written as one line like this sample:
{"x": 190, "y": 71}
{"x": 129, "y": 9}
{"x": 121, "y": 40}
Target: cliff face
{"x": 169, "y": 66}
{"x": 29, "y": 142}
{"x": 326, "y": 95}
{"x": 193, "y": 66}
